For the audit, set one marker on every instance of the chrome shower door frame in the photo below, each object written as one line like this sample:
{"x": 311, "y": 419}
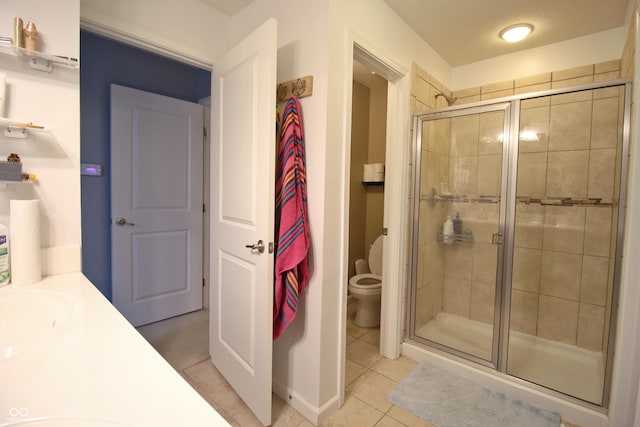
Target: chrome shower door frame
{"x": 502, "y": 231}
{"x": 508, "y": 200}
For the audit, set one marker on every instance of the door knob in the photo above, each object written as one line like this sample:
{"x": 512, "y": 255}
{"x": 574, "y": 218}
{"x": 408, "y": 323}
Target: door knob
{"x": 121, "y": 221}
{"x": 256, "y": 247}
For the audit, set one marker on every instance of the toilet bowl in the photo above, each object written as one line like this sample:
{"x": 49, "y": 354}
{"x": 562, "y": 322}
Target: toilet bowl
{"x": 367, "y": 287}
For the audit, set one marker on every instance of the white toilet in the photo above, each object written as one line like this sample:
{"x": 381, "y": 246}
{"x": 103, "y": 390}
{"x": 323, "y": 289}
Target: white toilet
{"x": 367, "y": 287}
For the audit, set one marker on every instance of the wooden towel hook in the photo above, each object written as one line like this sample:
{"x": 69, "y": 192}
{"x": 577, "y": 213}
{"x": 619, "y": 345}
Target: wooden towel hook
{"x": 299, "y": 88}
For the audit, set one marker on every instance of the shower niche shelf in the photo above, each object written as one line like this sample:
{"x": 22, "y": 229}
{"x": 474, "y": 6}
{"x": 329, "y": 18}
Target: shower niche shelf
{"x": 459, "y": 238}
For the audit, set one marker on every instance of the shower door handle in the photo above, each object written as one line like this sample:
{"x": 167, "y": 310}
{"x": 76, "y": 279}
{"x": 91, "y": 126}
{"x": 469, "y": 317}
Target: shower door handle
{"x": 497, "y": 239}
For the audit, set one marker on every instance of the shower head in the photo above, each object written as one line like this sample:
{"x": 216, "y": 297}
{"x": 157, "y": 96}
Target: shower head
{"x": 450, "y": 99}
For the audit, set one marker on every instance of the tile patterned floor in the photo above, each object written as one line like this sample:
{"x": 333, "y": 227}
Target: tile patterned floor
{"x": 183, "y": 341}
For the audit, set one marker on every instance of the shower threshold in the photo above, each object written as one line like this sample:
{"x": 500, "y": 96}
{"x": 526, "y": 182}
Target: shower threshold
{"x": 562, "y": 367}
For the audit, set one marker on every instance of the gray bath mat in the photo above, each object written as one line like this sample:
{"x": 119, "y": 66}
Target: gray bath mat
{"x": 447, "y": 400}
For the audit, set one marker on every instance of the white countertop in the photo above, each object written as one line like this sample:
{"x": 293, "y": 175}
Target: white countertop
{"x": 69, "y": 358}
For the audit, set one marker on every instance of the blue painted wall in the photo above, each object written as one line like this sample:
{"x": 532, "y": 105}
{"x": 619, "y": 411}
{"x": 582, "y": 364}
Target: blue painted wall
{"x": 104, "y": 62}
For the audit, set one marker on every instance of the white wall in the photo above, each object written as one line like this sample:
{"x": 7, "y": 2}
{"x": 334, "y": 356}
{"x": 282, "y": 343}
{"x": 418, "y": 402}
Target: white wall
{"x": 52, "y": 100}
{"x": 591, "y": 49}
{"x": 188, "y": 30}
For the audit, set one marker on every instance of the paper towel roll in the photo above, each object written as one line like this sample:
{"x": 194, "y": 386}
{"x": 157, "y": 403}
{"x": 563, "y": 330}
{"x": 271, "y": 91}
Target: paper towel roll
{"x": 24, "y": 231}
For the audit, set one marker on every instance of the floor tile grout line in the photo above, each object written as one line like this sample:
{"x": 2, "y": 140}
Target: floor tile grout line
{"x": 365, "y": 338}
{"x": 370, "y": 406}
{"x": 198, "y": 387}
{"x": 196, "y": 363}
{"x": 387, "y": 414}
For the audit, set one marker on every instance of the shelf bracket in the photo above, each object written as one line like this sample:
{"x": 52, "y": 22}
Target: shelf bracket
{"x": 16, "y": 132}
{"x": 41, "y": 64}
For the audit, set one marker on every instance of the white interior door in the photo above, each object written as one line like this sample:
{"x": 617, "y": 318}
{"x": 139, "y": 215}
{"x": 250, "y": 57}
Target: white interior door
{"x": 242, "y": 210}
{"x": 156, "y": 205}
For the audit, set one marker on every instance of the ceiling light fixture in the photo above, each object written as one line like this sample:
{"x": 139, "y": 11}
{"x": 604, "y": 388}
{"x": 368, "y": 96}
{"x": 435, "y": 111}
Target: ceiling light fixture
{"x": 515, "y": 33}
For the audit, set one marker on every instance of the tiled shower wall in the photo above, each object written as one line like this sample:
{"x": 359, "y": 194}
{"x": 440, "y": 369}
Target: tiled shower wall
{"x": 562, "y": 261}
{"x": 435, "y": 169}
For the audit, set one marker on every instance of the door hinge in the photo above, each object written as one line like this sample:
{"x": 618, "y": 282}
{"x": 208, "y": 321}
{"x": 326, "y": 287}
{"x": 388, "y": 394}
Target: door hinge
{"x": 204, "y": 208}
{"x": 203, "y": 285}
{"x": 204, "y": 132}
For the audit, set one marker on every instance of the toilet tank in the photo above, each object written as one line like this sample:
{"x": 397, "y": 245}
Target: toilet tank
{"x": 361, "y": 266}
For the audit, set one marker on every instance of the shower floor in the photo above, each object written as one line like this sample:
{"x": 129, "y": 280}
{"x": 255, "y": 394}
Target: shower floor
{"x": 568, "y": 369}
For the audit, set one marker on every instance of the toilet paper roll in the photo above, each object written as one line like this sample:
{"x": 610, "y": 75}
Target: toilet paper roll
{"x": 377, "y": 177}
{"x": 373, "y": 177}
{"x": 378, "y": 167}
{"x": 373, "y": 172}
{"x": 24, "y": 231}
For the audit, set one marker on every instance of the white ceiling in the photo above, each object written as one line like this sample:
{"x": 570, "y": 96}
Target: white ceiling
{"x": 228, "y": 6}
{"x": 466, "y": 31}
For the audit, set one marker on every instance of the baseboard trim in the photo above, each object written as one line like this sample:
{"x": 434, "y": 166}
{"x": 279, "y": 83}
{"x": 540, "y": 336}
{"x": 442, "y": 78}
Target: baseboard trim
{"x": 314, "y": 414}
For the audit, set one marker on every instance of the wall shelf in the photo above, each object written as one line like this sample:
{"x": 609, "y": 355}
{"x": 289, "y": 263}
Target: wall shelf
{"x": 39, "y": 60}
{"x": 19, "y": 130}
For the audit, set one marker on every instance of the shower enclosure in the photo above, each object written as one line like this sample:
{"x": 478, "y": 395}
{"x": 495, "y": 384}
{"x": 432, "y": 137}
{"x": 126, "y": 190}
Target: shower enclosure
{"x": 526, "y": 283}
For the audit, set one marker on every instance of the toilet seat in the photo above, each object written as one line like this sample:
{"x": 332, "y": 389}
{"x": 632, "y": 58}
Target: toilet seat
{"x": 367, "y": 289}
{"x": 371, "y": 282}
{"x": 366, "y": 281}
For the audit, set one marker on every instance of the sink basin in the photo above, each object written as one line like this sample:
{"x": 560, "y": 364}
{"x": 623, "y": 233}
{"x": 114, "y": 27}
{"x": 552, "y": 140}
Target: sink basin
{"x": 30, "y": 318}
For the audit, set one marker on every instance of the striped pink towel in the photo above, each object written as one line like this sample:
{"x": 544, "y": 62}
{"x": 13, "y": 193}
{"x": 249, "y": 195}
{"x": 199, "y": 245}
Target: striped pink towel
{"x": 291, "y": 221}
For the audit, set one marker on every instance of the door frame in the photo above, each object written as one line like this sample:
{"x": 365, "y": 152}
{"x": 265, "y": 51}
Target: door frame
{"x": 206, "y": 200}
{"x": 396, "y": 193}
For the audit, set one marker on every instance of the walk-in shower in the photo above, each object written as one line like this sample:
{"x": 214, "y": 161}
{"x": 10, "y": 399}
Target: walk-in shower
{"x": 525, "y": 282}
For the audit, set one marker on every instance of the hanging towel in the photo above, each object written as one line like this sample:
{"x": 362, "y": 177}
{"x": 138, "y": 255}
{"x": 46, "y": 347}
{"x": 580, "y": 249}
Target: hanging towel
{"x": 291, "y": 220}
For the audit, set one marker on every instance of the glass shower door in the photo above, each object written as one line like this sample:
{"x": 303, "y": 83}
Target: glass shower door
{"x": 457, "y": 230}
{"x": 566, "y": 222}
